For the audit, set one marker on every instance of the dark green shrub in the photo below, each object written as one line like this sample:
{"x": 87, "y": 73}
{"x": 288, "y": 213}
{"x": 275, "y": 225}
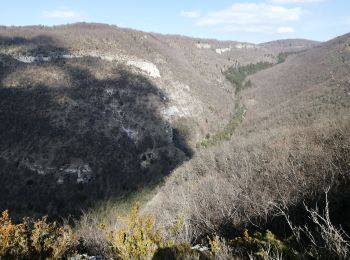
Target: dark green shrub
{"x": 237, "y": 75}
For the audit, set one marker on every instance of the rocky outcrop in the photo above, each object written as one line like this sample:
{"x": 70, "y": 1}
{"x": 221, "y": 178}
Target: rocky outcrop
{"x": 220, "y": 51}
{"x": 82, "y": 172}
{"x": 203, "y": 46}
{"x": 147, "y": 67}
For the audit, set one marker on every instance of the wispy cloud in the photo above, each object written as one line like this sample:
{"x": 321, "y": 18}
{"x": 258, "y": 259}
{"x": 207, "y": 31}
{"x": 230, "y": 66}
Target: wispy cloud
{"x": 191, "y": 14}
{"x": 247, "y": 29}
{"x": 252, "y": 17}
{"x": 285, "y": 29}
{"x": 245, "y": 14}
{"x": 294, "y": 1}
{"x": 63, "y": 13}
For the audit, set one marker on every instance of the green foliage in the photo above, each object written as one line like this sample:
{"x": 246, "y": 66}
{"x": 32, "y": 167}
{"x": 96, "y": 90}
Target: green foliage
{"x": 237, "y": 75}
{"x": 226, "y": 133}
{"x": 139, "y": 239}
{"x": 214, "y": 244}
{"x": 281, "y": 57}
{"x": 37, "y": 240}
{"x": 13, "y": 238}
{"x": 51, "y": 240}
{"x": 262, "y": 245}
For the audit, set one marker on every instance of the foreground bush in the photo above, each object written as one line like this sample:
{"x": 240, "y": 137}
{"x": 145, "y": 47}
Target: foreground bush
{"x": 35, "y": 240}
{"x": 263, "y": 246}
{"x": 139, "y": 237}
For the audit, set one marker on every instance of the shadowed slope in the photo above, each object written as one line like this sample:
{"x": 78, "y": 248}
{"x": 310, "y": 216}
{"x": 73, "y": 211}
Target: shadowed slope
{"x": 91, "y": 132}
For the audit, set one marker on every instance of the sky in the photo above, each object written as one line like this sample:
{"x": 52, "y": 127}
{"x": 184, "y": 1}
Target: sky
{"x": 250, "y": 21}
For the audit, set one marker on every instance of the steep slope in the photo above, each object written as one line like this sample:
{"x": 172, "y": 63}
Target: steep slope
{"x": 307, "y": 87}
{"x": 293, "y": 145}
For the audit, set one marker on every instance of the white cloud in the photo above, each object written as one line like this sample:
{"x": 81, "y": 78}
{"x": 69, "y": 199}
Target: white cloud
{"x": 249, "y": 13}
{"x": 294, "y": 1}
{"x": 191, "y": 14}
{"x": 249, "y": 29}
{"x": 285, "y": 29}
{"x": 251, "y": 17}
{"x": 63, "y": 14}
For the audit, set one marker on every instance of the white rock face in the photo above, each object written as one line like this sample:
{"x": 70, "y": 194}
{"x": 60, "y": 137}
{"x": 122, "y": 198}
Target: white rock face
{"x": 68, "y": 56}
{"x": 220, "y": 51}
{"x": 244, "y": 46}
{"x": 203, "y": 46}
{"x": 149, "y": 68}
{"x": 108, "y": 58}
{"x": 71, "y": 56}
{"x": 82, "y": 171}
{"x": 31, "y": 59}
{"x": 145, "y": 66}
{"x": 170, "y": 112}
{"x": 84, "y": 174}
{"x": 26, "y": 59}
{"x": 182, "y": 102}
{"x": 109, "y": 91}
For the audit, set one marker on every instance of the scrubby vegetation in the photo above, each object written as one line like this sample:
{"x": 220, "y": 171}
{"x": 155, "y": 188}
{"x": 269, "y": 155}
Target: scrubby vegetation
{"x": 226, "y": 133}
{"x": 137, "y": 236}
{"x": 271, "y": 176}
{"x": 282, "y": 56}
{"x": 35, "y": 239}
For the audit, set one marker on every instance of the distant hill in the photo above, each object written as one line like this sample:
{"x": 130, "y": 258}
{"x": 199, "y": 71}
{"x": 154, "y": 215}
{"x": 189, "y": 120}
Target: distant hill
{"x": 291, "y": 43}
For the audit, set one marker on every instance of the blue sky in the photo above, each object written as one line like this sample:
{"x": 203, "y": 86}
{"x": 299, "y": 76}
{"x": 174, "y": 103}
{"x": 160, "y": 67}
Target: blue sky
{"x": 251, "y": 21}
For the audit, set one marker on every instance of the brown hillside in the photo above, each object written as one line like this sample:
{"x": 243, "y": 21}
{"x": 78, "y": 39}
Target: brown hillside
{"x": 293, "y": 145}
